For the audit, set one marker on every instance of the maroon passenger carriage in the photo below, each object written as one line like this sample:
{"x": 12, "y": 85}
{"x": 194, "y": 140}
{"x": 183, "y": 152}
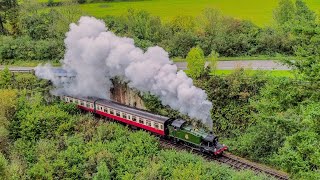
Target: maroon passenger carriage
{"x": 176, "y": 129}
{"x": 128, "y": 115}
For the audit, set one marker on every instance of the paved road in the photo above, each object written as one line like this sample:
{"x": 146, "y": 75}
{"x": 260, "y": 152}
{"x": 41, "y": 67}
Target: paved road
{"x": 252, "y": 64}
{"x": 223, "y": 65}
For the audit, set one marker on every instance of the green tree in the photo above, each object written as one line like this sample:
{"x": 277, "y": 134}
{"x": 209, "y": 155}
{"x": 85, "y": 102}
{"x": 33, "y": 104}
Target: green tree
{"x": 196, "y": 62}
{"x": 4, "y": 173}
{"x": 8, "y": 11}
{"x": 5, "y": 78}
{"x": 303, "y": 12}
{"x": 285, "y": 12}
{"x": 181, "y": 43}
{"x": 182, "y": 23}
{"x": 102, "y": 172}
{"x": 142, "y": 25}
{"x": 300, "y": 153}
{"x": 7, "y": 110}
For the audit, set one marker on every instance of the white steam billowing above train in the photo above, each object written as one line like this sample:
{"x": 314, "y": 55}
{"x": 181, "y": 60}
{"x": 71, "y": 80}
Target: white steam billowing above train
{"x": 95, "y": 55}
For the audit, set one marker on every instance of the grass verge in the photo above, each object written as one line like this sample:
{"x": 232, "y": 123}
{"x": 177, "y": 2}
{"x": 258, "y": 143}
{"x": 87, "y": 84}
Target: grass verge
{"x": 31, "y": 63}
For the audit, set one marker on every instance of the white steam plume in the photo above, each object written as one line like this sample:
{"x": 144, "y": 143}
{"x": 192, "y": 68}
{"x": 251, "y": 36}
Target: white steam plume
{"x": 96, "y": 55}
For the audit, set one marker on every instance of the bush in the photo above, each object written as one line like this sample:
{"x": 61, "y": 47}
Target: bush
{"x": 28, "y": 49}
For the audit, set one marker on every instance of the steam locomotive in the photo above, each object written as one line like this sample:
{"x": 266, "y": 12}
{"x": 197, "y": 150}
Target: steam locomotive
{"x": 177, "y": 130}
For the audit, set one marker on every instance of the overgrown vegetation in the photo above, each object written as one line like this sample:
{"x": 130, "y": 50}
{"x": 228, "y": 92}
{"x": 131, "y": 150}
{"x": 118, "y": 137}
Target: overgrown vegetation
{"x": 273, "y": 120}
{"x": 32, "y": 33}
{"x": 46, "y": 139}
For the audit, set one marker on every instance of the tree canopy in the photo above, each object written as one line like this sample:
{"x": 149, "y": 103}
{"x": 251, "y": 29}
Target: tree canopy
{"x": 196, "y": 62}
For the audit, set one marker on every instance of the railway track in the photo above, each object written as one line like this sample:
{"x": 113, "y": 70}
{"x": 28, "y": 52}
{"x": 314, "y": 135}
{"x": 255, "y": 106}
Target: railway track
{"x": 230, "y": 160}
{"x": 233, "y": 161}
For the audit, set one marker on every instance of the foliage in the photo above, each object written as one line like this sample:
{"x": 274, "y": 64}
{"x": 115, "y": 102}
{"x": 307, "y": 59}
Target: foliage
{"x": 41, "y": 32}
{"x": 284, "y": 12}
{"x": 26, "y": 48}
{"x": 196, "y": 62}
{"x": 22, "y": 81}
{"x": 287, "y": 119}
{"x": 230, "y": 97}
{"x": 8, "y": 13}
{"x": 213, "y": 60}
{"x": 37, "y": 33}
{"x": 102, "y": 172}
{"x": 211, "y": 31}
{"x": 300, "y": 153}
{"x": 7, "y": 110}
{"x": 257, "y": 11}
{"x": 93, "y": 149}
{"x": 3, "y": 167}
{"x": 5, "y": 78}
{"x": 305, "y": 32}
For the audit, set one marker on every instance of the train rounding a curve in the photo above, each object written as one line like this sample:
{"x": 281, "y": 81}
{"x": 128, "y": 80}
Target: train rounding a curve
{"x": 177, "y": 130}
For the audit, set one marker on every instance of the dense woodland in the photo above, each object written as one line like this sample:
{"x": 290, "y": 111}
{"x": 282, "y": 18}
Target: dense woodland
{"x": 273, "y": 120}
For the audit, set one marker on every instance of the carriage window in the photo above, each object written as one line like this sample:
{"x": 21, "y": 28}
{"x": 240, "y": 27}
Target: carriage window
{"x": 111, "y": 111}
{"x": 128, "y": 116}
{"x": 148, "y": 123}
{"x": 91, "y": 105}
{"x": 156, "y": 125}
{"x": 82, "y": 103}
{"x": 134, "y": 118}
{"x": 161, "y": 126}
{"x": 124, "y": 115}
{"x": 118, "y": 113}
{"x": 106, "y": 110}
{"x": 87, "y": 104}
{"x": 141, "y": 121}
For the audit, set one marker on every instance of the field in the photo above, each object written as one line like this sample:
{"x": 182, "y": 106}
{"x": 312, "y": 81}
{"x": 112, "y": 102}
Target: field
{"x": 258, "y": 11}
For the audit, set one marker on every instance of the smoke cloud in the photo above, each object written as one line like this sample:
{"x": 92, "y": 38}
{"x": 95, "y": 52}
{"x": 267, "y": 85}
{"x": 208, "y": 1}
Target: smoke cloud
{"x": 95, "y": 55}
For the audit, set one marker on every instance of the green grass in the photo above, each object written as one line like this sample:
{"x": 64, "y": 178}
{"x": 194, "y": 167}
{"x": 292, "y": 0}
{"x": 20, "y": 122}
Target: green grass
{"x": 275, "y": 73}
{"x": 258, "y": 11}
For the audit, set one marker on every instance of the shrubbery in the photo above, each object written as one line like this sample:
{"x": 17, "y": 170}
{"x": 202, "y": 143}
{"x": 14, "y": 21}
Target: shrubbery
{"x": 211, "y": 31}
{"x": 275, "y": 122}
{"x": 90, "y": 148}
{"x": 27, "y": 49}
